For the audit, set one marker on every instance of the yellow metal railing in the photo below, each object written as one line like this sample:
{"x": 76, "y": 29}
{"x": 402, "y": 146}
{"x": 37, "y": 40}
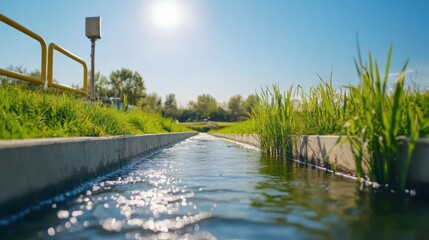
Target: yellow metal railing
{"x": 46, "y": 70}
{"x": 42, "y": 42}
{"x": 51, "y": 83}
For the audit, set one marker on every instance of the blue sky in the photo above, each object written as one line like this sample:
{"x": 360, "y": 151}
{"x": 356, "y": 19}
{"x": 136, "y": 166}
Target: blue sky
{"x": 224, "y": 47}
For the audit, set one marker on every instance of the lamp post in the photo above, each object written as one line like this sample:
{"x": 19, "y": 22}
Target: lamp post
{"x": 93, "y": 32}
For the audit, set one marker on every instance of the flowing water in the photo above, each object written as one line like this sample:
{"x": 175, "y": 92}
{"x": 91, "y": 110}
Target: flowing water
{"x": 209, "y": 188}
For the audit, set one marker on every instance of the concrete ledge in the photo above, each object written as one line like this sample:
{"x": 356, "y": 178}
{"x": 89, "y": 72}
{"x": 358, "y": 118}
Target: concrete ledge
{"x": 35, "y": 169}
{"x": 243, "y": 138}
{"x": 321, "y": 151}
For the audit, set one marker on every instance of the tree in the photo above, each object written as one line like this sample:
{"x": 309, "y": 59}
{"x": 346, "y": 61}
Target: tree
{"x": 236, "y": 108}
{"x": 128, "y": 82}
{"x": 19, "y": 69}
{"x": 102, "y": 85}
{"x": 250, "y": 102}
{"x": 7, "y": 80}
{"x": 151, "y": 103}
{"x": 170, "y": 106}
{"x": 186, "y": 115}
{"x": 219, "y": 115}
{"x": 205, "y": 106}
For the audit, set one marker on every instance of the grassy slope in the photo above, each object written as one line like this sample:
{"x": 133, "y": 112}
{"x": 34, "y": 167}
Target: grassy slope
{"x": 29, "y": 113}
{"x": 206, "y": 126}
{"x": 246, "y": 127}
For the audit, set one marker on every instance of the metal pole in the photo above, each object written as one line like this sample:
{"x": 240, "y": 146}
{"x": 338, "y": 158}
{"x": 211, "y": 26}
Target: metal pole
{"x": 92, "y": 85}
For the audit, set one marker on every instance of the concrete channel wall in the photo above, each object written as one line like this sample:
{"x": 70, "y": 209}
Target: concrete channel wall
{"x": 37, "y": 169}
{"x": 323, "y": 151}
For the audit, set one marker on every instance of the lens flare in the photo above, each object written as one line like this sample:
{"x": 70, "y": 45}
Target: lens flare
{"x": 166, "y": 14}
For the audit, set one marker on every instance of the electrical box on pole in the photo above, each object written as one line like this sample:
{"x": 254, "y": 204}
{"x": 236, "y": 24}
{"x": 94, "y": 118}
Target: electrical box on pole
{"x": 93, "y": 32}
{"x": 93, "y": 27}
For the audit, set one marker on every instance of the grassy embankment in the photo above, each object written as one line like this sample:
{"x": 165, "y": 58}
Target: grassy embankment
{"x": 368, "y": 114}
{"x": 35, "y": 113}
{"x": 206, "y": 126}
{"x": 245, "y": 127}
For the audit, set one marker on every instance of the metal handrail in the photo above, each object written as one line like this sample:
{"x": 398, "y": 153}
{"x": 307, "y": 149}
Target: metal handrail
{"x": 51, "y": 49}
{"x": 42, "y": 42}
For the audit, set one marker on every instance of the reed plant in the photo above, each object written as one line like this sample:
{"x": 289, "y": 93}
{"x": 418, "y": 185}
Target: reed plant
{"x": 375, "y": 119}
{"x": 379, "y": 119}
{"x": 321, "y": 109}
{"x": 274, "y": 120}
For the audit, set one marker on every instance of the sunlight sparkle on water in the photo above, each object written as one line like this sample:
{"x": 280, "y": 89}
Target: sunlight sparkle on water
{"x": 160, "y": 205}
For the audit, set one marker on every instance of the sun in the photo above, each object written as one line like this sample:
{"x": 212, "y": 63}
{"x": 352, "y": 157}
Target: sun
{"x": 166, "y": 14}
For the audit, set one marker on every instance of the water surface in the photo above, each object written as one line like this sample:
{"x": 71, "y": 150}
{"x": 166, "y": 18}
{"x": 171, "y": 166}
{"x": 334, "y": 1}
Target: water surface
{"x": 209, "y": 188}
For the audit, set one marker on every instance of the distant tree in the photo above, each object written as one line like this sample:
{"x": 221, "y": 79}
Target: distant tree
{"x": 219, "y": 115}
{"x": 186, "y": 115}
{"x": 151, "y": 103}
{"x": 128, "y": 82}
{"x": 170, "y": 106}
{"x": 103, "y": 87}
{"x": 7, "y": 80}
{"x": 36, "y": 73}
{"x": 205, "y": 106}
{"x": 236, "y": 108}
{"x": 250, "y": 102}
{"x": 20, "y": 69}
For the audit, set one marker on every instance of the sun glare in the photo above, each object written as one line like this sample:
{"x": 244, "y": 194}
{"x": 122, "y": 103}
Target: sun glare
{"x": 166, "y": 14}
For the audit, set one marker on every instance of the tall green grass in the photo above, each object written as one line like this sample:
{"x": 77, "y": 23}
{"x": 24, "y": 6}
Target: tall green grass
{"x": 320, "y": 110}
{"x": 379, "y": 118}
{"x": 33, "y": 113}
{"x": 274, "y": 121}
{"x": 375, "y": 119}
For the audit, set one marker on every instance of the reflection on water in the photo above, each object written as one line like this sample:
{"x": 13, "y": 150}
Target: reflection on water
{"x": 332, "y": 207}
{"x": 308, "y": 199}
{"x": 208, "y": 188}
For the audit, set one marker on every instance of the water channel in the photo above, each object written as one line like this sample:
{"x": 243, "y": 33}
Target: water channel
{"x": 210, "y": 188}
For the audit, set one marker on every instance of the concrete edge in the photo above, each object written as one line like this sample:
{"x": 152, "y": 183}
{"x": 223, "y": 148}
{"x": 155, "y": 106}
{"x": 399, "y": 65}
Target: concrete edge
{"x": 323, "y": 151}
{"x": 38, "y": 169}
{"x": 243, "y": 138}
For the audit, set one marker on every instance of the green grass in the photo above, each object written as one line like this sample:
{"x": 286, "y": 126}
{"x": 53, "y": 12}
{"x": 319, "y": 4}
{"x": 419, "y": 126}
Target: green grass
{"x": 35, "y": 113}
{"x": 246, "y": 127}
{"x": 368, "y": 115}
{"x": 206, "y": 126}
{"x": 319, "y": 111}
{"x": 275, "y": 123}
{"x": 379, "y": 118}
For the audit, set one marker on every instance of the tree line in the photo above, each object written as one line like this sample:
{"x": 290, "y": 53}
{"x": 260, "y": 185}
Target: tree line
{"x": 125, "y": 82}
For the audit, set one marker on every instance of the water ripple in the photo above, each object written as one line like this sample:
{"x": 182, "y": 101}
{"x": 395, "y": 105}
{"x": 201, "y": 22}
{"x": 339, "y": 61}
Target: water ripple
{"x": 208, "y": 188}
